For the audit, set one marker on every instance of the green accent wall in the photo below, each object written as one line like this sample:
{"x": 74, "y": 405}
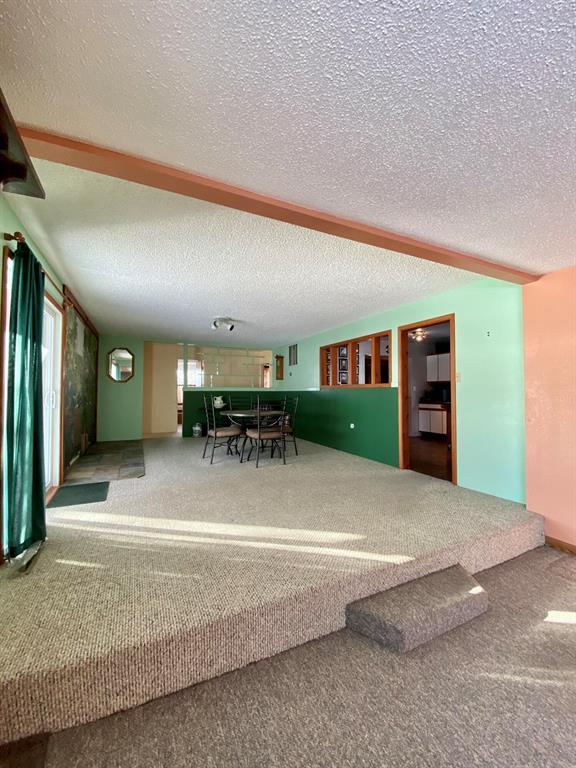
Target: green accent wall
{"x": 120, "y": 403}
{"x": 324, "y": 416}
{"x": 489, "y": 389}
{"x": 490, "y": 376}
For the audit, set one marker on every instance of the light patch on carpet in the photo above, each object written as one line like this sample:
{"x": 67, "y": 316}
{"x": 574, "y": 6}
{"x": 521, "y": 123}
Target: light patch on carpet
{"x": 200, "y": 526}
{"x": 302, "y": 549}
{"x": 79, "y": 564}
{"x": 561, "y": 617}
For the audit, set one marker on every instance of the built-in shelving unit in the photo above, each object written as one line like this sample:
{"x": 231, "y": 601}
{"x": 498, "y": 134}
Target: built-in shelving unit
{"x": 360, "y": 362}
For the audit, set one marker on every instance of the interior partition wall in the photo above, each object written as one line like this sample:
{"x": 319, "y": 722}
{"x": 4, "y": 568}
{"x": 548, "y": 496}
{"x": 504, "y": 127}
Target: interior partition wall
{"x": 359, "y": 421}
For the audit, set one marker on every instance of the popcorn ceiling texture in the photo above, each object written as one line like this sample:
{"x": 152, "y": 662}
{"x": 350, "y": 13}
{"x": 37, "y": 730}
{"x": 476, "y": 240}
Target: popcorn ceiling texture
{"x": 451, "y": 121}
{"x": 160, "y": 266}
{"x": 167, "y": 584}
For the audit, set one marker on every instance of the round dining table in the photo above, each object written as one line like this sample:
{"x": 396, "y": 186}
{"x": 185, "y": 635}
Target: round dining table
{"x": 250, "y": 413}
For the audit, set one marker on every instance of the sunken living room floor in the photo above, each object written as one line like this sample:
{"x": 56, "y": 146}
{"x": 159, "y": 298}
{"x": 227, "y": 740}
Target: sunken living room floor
{"x": 497, "y": 692}
{"x": 193, "y": 571}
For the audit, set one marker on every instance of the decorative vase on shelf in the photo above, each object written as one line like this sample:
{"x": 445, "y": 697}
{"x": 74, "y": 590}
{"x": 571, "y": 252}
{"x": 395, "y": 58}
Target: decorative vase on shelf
{"x": 219, "y": 402}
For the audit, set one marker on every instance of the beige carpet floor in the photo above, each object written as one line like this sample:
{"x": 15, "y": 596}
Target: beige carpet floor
{"x": 498, "y": 692}
{"x": 193, "y": 570}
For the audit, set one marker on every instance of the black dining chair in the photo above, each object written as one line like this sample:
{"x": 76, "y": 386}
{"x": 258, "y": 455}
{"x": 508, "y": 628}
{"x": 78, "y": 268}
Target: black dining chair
{"x": 221, "y": 432}
{"x": 290, "y": 408}
{"x": 268, "y": 429}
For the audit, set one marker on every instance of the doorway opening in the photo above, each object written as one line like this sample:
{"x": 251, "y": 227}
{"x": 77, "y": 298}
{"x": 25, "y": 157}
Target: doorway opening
{"x": 427, "y": 397}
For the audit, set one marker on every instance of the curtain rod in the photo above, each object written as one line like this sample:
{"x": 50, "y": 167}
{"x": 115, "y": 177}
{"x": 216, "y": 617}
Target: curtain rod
{"x": 19, "y": 237}
{"x": 67, "y": 296}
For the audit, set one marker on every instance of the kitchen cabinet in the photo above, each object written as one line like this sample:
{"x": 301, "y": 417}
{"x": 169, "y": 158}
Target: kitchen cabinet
{"x": 423, "y": 420}
{"x": 433, "y": 418}
{"x": 438, "y": 367}
{"x": 438, "y": 422}
{"x": 432, "y": 368}
{"x": 444, "y": 367}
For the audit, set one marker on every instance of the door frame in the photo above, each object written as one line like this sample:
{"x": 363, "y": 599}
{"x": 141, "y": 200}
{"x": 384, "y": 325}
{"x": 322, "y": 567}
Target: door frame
{"x": 404, "y": 392}
{"x": 6, "y": 255}
{"x": 52, "y": 490}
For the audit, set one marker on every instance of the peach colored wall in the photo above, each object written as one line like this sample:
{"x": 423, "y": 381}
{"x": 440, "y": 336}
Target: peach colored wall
{"x": 550, "y": 376}
{"x": 159, "y": 391}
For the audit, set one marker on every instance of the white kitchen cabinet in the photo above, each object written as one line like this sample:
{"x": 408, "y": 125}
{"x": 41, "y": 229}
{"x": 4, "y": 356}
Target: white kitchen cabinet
{"x": 432, "y": 368}
{"x": 423, "y": 420}
{"x": 433, "y": 419}
{"x": 438, "y": 422}
{"x": 444, "y": 367}
{"x": 438, "y": 367}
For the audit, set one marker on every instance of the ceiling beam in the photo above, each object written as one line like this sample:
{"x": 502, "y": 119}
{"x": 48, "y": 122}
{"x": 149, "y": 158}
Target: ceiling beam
{"x": 79, "y": 154}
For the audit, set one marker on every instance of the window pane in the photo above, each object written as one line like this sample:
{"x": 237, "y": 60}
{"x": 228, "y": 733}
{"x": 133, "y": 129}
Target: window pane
{"x": 365, "y": 361}
{"x": 384, "y": 363}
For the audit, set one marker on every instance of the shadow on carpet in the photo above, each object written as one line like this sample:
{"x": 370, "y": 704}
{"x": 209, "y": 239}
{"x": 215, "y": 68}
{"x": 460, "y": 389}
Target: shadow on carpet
{"x": 107, "y": 462}
{"x": 84, "y": 493}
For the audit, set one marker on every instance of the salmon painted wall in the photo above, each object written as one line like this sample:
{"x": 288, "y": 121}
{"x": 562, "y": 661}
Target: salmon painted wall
{"x": 550, "y": 376}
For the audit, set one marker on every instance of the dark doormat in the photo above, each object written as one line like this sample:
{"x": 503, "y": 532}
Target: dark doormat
{"x": 86, "y": 493}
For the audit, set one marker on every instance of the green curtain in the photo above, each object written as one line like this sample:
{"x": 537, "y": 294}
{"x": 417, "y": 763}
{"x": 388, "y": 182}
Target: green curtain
{"x": 24, "y": 460}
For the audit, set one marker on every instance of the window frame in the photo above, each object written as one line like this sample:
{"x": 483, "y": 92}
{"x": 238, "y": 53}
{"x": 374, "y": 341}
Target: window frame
{"x": 330, "y": 362}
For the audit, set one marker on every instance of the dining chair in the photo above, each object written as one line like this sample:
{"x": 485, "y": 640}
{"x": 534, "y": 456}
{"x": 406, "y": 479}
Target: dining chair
{"x": 243, "y": 401}
{"x": 268, "y": 428}
{"x": 219, "y": 432}
{"x": 289, "y": 424}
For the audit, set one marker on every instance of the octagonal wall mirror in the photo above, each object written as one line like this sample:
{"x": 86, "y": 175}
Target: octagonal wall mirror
{"x": 120, "y": 364}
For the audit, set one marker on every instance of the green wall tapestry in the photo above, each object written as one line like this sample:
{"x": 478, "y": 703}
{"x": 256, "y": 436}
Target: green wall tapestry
{"x": 80, "y": 377}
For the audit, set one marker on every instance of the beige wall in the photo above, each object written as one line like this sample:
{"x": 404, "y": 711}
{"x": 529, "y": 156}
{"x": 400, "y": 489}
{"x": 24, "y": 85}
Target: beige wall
{"x": 550, "y": 371}
{"x": 159, "y": 410}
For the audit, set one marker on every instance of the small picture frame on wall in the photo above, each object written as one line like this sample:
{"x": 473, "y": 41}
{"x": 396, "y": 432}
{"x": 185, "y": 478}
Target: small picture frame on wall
{"x": 279, "y": 367}
{"x": 343, "y": 351}
{"x": 342, "y": 364}
{"x": 343, "y": 377}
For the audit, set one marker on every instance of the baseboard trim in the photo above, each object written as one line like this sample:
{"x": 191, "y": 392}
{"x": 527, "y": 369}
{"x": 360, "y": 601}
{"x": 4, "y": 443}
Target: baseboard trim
{"x": 558, "y": 544}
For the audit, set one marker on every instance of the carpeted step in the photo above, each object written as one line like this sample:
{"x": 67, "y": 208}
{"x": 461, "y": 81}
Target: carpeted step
{"x": 416, "y": 612}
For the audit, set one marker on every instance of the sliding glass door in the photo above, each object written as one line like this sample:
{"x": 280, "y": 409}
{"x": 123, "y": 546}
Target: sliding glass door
{"x": 51, "y": 391}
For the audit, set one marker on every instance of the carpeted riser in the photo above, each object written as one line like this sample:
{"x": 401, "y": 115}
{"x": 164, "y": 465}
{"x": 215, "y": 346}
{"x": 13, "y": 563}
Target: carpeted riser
{"x": 416, "y": 612}
{"x": 70, "y": 696}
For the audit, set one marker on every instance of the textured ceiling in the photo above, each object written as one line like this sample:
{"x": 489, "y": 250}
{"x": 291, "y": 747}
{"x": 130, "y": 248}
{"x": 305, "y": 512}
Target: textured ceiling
{"x": 162, "y": 266}
{"x": 448, "y": 120}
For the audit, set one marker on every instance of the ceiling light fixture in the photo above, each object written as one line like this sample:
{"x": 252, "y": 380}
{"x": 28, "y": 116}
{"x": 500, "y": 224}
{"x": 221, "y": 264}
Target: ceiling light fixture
{"x": 418, "y": 334}
{"x": 218, "y": 322}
